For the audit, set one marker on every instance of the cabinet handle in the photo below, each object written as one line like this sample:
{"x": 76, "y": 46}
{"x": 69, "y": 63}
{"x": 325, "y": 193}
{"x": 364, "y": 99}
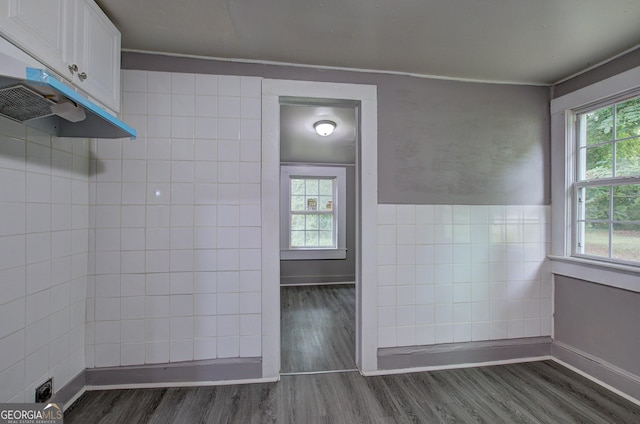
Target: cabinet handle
{"x": 73, "y": 68}
{"x": 82, "y": 76}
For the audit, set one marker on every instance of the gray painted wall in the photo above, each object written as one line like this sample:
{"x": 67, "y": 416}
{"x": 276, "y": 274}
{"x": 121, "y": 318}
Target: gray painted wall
{"x": 328, "y": 270}
{"x": 439, "y": 141}
{"x": 599, "y": 320}
{"x": 449, "y": 142}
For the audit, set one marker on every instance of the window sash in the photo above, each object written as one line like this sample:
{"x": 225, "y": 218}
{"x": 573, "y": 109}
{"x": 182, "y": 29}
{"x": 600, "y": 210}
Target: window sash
{"x": 589, "y": 231}
{"x": 308, "y": 233}
{"x": 337, "y": 209}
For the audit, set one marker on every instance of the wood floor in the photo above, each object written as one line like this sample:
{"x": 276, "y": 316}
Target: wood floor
{"x": 317, "y": 328}
{"x": 536, "y": 392}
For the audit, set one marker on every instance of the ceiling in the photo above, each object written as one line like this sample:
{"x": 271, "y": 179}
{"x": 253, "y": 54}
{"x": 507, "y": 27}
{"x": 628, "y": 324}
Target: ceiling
{"x": 520, "y": 41}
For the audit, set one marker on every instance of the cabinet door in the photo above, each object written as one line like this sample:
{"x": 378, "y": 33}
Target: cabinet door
{"x": 40, "y": 27}
{"x": 97, "y": 54}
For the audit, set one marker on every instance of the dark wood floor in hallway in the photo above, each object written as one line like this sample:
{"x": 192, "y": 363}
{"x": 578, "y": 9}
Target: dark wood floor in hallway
{"x": 535, "y": 392}
{"x": 318, "y": 328}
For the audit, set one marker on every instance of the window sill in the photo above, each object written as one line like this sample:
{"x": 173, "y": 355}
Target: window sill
{"x": 311, "y": 254}
{"x": 614, "y": 275}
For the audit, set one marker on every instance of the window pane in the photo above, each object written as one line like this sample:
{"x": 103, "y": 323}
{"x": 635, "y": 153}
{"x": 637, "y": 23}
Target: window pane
{"x": 599, "y": 125}
{"x": 311, "y": 239}
{"x": 628, "y": 157}
{"x": 297, "y": 203}
{"x": 312, "y": 187}
{"x": 626, "y": 202}
{"x": 596, "y": 202}
{"x": 326, "y": 187}
{"x": 312, "y": 222}
{"x": 628, "y": 118}
{"x": 326, "y": 203}
{"x": 326, "y": 239}
{"x": 297, "y": 186}
{"x": 326, "y": 222}
{"x": 599, "y": 162}
{"x": 297, "y": 222}
{"x": 626, "y": 242}
{"x": 596, "y": 239}
{"x": 312, "y": 204}
{"x": 297, "y": 238}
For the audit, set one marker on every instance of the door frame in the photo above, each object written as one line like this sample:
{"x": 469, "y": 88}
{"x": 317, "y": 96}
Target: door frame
{"x": 366, "y": 216}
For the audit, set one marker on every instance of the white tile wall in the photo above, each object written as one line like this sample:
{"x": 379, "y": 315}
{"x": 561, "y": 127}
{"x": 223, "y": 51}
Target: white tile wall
{"x": 177, "y": 223}
{"x": 458, "y": 273}
{"x": 44, "y": 205}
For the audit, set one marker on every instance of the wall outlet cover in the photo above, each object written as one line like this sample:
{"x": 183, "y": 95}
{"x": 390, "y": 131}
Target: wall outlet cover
{"x": 44, "y": 391}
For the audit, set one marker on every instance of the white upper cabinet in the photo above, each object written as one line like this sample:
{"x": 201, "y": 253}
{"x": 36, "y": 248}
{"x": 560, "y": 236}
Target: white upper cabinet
{"x": 40, "y": 27}
{"x": 73, "y": 38}
{"x": 96, "y": 54}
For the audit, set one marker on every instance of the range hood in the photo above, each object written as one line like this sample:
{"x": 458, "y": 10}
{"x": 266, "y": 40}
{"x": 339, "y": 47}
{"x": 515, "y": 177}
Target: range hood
{"x": 34, "y": 96}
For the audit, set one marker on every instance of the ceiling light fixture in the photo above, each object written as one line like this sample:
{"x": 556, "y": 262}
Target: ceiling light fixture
{"x": 325, "y": 127}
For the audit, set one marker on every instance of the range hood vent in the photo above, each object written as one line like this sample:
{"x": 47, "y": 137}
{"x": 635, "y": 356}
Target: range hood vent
{"x": 22, "y": 104}
{"x": 34, "y": 96}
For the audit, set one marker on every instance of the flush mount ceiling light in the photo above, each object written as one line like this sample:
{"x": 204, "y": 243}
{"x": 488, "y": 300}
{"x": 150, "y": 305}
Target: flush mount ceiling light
{"x": 325, "y": 127}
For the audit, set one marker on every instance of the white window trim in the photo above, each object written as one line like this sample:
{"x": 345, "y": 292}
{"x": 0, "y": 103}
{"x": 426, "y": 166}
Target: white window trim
{"x": 563, "y": 150}
{"x": 340, "y": 252}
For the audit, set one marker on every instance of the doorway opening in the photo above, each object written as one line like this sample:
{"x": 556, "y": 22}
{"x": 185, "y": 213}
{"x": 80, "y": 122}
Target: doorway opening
{"x": 317, "y": 234}
{"x": 364, "y": 98}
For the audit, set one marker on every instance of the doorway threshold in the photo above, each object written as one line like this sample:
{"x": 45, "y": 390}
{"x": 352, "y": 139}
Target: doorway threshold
{"x": 319, "y": 372}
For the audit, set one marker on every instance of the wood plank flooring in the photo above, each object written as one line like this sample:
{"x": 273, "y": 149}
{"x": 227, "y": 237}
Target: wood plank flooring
{"x": 317, "y": 328}
{"x": 536, "y": 392}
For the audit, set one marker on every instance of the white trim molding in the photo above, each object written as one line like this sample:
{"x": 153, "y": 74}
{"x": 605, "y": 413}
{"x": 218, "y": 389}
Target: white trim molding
{"x": 609, "y": 274}
{"x": 366, "y": 215}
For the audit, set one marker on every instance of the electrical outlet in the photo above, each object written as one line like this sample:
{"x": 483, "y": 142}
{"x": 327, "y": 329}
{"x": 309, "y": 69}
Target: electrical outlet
{"x": 44, "y": 391}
